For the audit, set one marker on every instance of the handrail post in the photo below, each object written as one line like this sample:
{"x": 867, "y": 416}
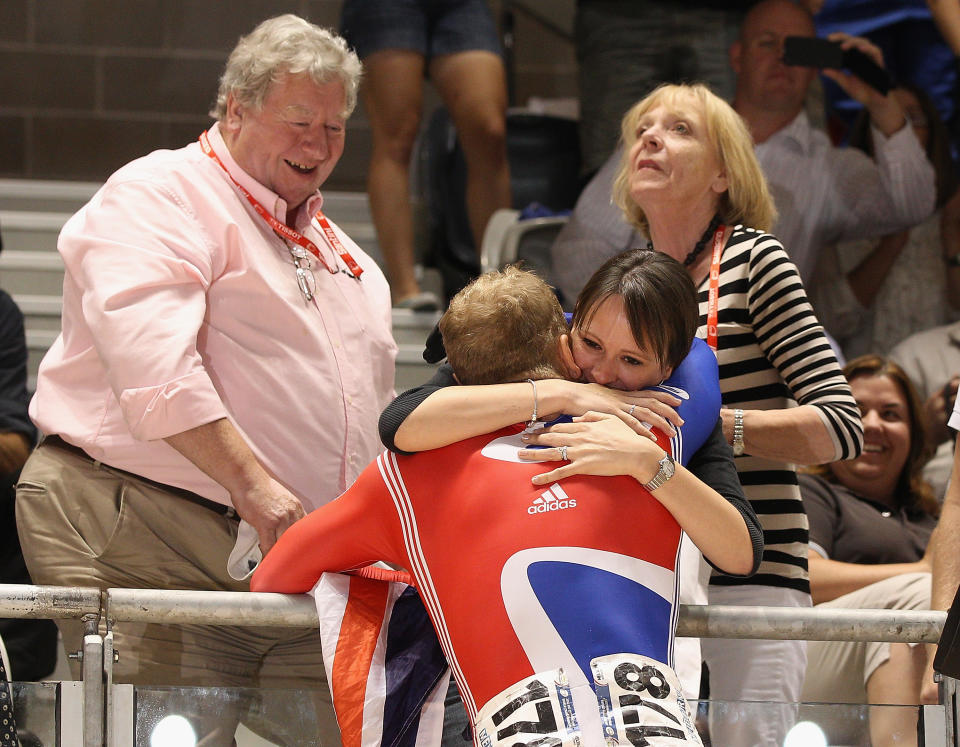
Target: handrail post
{"x": 948, "y": 699}
{"x": 93, "y": 703}
{"x": 110, "y": 655}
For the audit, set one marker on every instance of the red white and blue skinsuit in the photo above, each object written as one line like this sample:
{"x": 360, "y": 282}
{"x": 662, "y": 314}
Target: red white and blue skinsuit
{"x": 517, "y": 578}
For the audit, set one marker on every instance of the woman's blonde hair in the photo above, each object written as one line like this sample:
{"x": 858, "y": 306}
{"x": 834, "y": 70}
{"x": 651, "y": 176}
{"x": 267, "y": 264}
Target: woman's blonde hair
{"x": 747, "y": 199}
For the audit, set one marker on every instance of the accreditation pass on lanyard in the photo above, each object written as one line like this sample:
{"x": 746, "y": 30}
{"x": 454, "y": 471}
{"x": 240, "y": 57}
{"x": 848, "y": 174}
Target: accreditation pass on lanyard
{"x": 285, "y": 232}
{"x": 713, "y": 300}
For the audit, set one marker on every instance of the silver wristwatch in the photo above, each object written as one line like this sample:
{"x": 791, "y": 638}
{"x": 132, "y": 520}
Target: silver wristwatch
{"x": 738, "y": 447}
{"x": 667, "y": 468}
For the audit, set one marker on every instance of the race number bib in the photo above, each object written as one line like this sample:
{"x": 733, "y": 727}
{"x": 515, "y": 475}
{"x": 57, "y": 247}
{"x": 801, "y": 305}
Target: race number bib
{"x": 641, "y": 702}
{"x": 638, "y": 699}
{"x": 537, "y": 711}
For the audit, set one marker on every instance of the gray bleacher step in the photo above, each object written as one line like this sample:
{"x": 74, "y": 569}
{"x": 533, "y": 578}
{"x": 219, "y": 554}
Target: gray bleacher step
{"x": 43, "y": 195}
{"x": 411, "y": 369}
{"x": 31, "y": 273}
{"x": 17, "y": 259}
{"x": 41, "y": 339}
{"x": 408, "y": 326}
{"x": 38, "y": 342}
{"x": 412, "y": 327}
{"x": 39, "y": 305}
{"x": 408, "y": 354}
{"x": 31, "y": 230}
{"x": 40, "y": 312}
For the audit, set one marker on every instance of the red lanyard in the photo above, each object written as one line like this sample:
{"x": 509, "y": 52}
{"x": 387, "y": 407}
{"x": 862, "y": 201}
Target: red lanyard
{"x": 285, "y": 232}
{"x": 713, "y": 300}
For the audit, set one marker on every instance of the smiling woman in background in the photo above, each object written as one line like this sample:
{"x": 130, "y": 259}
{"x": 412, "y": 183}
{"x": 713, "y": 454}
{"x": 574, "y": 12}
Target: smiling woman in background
{"x": 871, "y": 520}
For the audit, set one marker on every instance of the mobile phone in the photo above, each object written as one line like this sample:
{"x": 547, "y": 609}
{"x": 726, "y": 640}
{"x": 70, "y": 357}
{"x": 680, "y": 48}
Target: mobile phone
{"x": 808, "y": 51}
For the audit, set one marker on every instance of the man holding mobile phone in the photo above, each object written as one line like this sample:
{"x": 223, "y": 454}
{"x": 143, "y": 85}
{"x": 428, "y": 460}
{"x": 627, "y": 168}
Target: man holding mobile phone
{"x": 839, "y": 194}
{"x": 824, "y": 194}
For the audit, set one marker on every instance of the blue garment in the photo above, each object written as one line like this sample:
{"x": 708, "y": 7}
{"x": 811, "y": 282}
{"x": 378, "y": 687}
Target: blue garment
{"x": 430, "y": 27}
{"x": 913, "y": 49}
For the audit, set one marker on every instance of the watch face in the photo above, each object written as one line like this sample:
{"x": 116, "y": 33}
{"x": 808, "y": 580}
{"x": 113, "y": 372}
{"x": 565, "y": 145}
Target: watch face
{"x": 668, "y": 467}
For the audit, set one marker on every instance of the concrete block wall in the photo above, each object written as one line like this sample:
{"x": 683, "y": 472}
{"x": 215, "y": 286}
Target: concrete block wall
{"x": 87, "y": 85}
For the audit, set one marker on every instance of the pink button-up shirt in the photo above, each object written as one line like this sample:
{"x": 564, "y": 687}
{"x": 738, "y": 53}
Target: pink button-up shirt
{"x": 181, "y": 306}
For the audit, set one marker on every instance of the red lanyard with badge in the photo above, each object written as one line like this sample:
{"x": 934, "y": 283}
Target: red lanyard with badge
{"x": 713, "y": 298}
{"x": 285, "y": 232}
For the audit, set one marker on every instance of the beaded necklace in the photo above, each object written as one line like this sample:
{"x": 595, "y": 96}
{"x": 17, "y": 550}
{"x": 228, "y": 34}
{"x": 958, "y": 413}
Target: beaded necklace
{"x": 700, "y": 245}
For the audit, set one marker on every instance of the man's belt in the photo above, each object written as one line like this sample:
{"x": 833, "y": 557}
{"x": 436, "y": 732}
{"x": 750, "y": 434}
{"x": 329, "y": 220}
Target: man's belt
{"x": 229, "y": 511}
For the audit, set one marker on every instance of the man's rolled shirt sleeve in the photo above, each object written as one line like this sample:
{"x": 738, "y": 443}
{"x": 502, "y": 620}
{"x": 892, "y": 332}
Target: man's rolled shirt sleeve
{"x": 144, "y": 287}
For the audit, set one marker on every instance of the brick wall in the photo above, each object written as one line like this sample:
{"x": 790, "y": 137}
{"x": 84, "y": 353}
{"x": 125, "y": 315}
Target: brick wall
{"x": 87, "y": 85}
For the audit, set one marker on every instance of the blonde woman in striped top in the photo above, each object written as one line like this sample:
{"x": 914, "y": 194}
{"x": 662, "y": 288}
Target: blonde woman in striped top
{"x": 689, "y": 179}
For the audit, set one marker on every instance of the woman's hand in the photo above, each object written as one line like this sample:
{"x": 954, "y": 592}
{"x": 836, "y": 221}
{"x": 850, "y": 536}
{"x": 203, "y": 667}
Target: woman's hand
{"x": 596, "y": 443}
{"x": 640, "y": 410}
{"x": 602, "y": 444}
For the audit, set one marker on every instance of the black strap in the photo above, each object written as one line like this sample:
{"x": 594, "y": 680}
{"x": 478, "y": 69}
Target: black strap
{"x": 947, "y": 660}
{"x": 8, "y": 726}
{"x": 229, "y": 511}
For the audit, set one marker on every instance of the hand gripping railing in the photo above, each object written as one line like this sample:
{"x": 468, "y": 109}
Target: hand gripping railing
{"x": 259, "y": 609}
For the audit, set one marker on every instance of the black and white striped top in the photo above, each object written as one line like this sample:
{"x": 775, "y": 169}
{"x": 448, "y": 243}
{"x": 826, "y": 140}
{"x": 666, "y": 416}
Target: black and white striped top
{"x": 773, "y": 355}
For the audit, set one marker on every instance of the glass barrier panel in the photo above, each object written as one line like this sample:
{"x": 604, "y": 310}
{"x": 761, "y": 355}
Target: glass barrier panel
{"x": 215, "y": 716}
{"x": 815, "y": 724}
{"x": 36, "y": 713}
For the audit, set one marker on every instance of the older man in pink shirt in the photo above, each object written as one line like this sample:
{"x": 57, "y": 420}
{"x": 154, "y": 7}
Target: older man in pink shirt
{"x": 226, "y": 352}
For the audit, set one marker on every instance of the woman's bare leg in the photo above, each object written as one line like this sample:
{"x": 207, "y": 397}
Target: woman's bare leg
{"x": 393, "y": 96}
{"x": 896, "y": 682}
{"x": 473, "y": 88}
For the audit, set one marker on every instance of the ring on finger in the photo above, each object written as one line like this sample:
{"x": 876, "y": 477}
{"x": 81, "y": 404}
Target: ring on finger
{"x": 563, "y": 453}
{"x": 632, "y": 408}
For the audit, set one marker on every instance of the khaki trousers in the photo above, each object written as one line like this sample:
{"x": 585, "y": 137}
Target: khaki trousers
{"x": 82, "y": 523}
{"x": 837, "y": 671}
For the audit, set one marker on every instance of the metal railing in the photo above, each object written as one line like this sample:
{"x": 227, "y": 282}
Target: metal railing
{"x": 262, "y": 609}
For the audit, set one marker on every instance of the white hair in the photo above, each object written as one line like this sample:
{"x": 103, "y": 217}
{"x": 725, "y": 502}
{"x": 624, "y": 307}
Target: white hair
{"x": 282, "y": 45}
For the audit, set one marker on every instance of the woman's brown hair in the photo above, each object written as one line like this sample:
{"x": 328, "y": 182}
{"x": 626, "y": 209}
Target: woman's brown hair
{"x": 912, "y": 490}
{"x": 659, "y": 298}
